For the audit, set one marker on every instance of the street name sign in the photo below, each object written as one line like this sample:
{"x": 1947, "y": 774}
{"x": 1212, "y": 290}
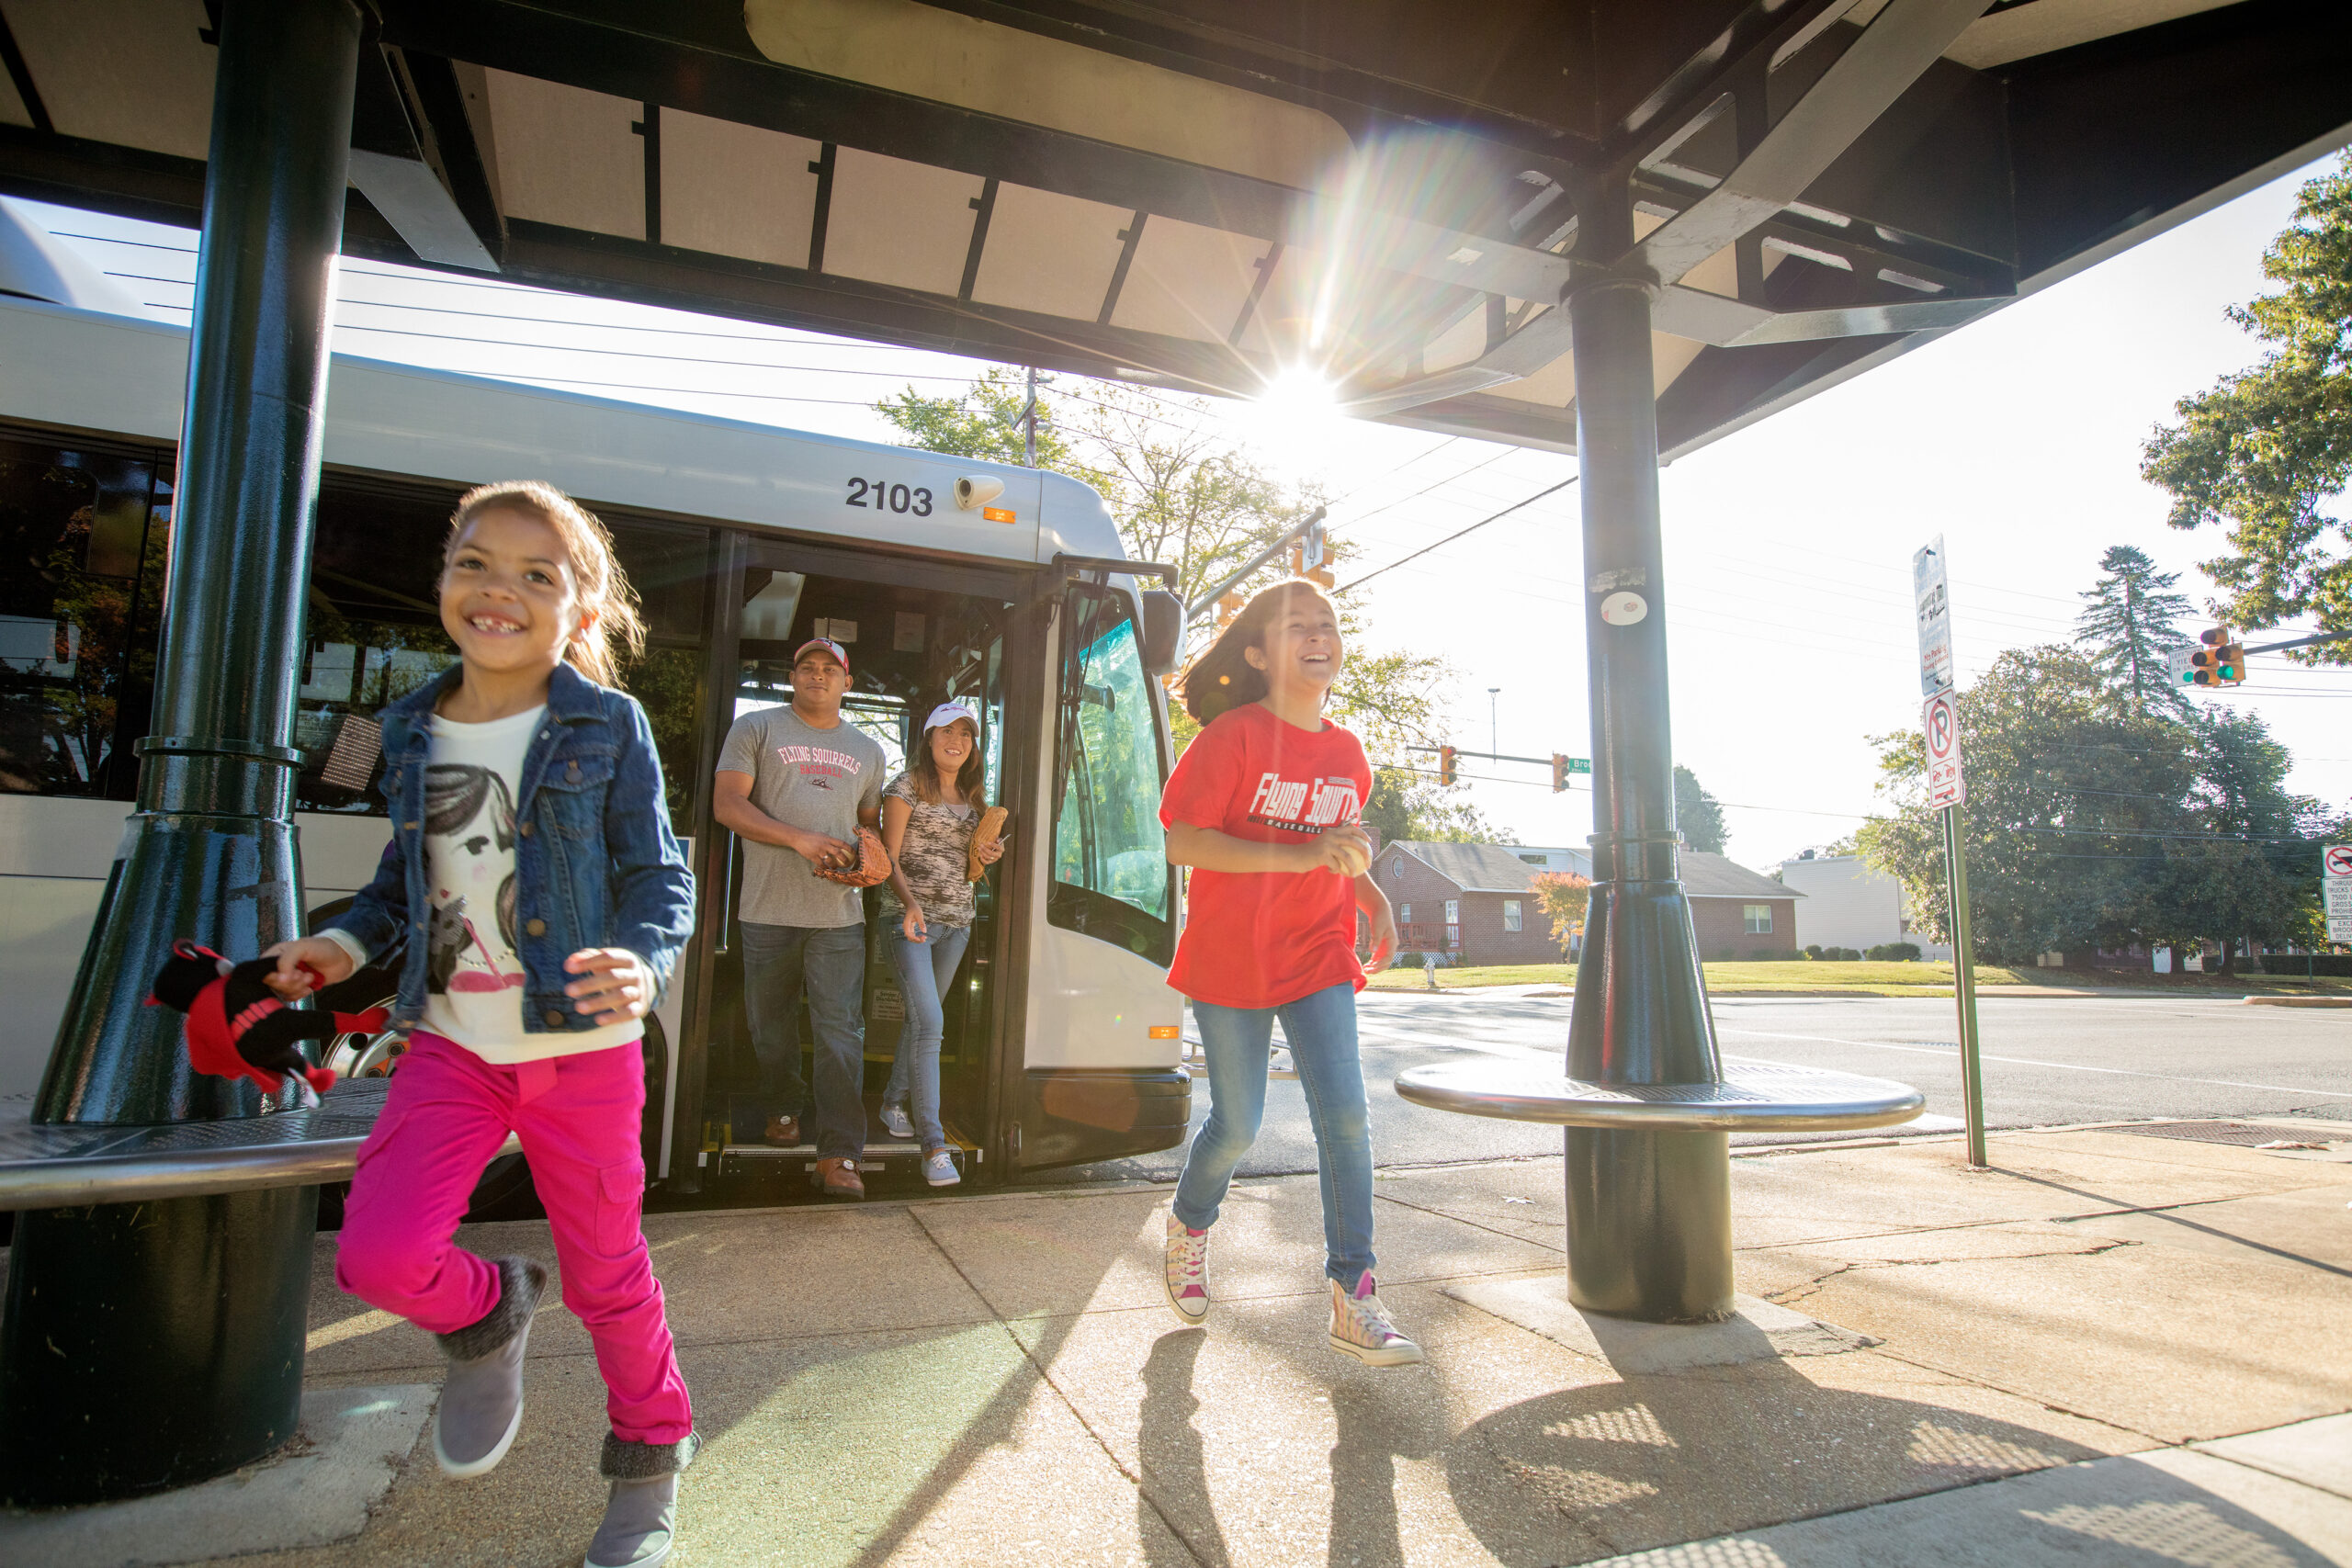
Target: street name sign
{"x": 1932, "y": 593}
{"x": 2335, "y": 884}
{"x": 1940, "y": 718}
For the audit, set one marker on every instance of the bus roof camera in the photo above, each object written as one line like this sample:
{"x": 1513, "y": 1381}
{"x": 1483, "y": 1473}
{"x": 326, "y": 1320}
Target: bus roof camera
{"x": 973, "y": 494}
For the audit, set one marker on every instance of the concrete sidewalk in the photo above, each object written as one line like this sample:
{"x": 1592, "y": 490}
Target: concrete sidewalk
{"x": 2057, "y": 1362}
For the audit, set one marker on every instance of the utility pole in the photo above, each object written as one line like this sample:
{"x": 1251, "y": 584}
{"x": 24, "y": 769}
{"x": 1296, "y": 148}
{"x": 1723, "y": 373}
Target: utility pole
{"x": 1494, "y": 731}
{"x": 1029, "y": 422}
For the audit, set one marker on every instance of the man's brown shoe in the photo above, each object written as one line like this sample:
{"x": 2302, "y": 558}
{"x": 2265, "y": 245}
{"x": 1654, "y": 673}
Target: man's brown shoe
{"x": 839, "y": 1178}
{"x": 783, "y": 1132}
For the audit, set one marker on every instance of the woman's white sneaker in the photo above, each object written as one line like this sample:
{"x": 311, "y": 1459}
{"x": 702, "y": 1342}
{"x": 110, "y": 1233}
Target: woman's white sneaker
{"x": 1361, "y": 1328}
{"x": 1188, "y": 1270}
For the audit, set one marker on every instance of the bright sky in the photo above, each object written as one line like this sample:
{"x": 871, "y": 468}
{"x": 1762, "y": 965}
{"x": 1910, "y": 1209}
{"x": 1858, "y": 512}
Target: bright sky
{"x": 1788, "y": 545}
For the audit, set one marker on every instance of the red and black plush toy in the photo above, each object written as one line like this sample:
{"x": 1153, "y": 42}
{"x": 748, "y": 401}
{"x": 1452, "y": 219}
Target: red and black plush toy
{"x": 238, "y": 1027}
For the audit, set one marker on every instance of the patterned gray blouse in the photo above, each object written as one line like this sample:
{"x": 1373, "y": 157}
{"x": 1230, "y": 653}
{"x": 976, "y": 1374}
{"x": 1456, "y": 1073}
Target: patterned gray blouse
{"x": 933, "y": 854}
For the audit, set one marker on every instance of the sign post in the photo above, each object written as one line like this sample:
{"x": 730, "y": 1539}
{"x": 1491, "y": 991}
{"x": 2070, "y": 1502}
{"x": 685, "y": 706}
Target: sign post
{"x": 2336, "y": 890}
{"x": 1948, "y": 792}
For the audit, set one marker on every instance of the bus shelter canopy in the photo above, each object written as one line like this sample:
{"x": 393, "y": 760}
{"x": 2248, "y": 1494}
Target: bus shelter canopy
{"x": 1207, "y": 195}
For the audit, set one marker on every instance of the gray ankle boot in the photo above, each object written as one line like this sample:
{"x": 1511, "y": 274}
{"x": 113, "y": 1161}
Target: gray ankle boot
{"x": 641, "y": 1514}
{"x": 481, "y": 1400}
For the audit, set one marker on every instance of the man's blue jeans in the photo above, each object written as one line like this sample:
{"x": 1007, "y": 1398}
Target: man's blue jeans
{"x": 1321, "y": 1031}
{"x": 779, "y": 962}
{"x": 925, "y": 970}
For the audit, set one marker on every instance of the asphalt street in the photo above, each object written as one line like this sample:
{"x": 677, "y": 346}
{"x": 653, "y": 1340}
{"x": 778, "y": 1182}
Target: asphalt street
{"x": 2047, "y": 1061}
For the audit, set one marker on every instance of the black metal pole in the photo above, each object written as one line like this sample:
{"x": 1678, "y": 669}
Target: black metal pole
{"x": 1649, "y": 1213}
{"x": 146, "y": 1347}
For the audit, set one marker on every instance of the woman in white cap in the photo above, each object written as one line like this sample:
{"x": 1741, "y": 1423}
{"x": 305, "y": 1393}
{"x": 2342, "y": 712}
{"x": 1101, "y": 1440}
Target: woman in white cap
{"x": 929, "y": 814}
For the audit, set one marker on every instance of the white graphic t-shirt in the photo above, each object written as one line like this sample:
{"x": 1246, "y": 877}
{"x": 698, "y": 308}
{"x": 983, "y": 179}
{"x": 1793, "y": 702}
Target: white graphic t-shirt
{"x": 473, "y": 989}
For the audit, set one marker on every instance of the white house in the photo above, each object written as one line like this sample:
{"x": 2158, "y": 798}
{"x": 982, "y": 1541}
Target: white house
{"x": 1849, "y": 904}
{"x": 1577, "y": 861}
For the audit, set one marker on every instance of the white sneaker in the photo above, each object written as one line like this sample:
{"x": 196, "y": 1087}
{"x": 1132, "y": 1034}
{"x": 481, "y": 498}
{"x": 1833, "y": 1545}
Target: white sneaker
{"x": 894, "y": 1120}
{"x": 1188, "y": 1270}
{"x": 939, "y": 1168}
{"x": 1360, "y": 1328}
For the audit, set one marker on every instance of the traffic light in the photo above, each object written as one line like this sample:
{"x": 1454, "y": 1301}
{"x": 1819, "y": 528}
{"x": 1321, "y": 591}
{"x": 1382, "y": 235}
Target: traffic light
{"x": 1445, "y": 765}
{"x": 2218, "y": 659}
{"x": 1559, "y": 772}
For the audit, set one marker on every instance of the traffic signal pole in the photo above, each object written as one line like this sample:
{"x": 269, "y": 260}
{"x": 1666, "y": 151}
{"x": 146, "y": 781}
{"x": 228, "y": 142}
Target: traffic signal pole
{"x": 1963, "y": 988}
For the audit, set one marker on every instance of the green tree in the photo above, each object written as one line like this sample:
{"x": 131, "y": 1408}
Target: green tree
{"x": 2069, "y": 798}
{"x": 2245, "y": 861}
{"x": 2267, "y": 454}
{"x": 1182, "y": 492}
{"x": 2089, "y": 824}
{"x": 2130, "y": 617}
{"x": 1698, "y": 814}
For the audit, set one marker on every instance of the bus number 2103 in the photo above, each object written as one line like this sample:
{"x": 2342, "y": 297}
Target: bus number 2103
{"x": 889, "y": 498}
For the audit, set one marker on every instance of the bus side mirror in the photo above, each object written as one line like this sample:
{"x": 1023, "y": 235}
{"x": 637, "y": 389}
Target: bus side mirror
{"x": 1163, "y": 631}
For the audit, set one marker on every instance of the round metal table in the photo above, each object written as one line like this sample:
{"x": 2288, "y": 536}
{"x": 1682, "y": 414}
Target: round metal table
{"x": 1648, "y": 1169}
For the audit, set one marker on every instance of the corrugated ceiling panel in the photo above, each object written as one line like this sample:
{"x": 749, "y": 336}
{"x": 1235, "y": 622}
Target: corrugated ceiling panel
{"x": 896, "y": 222}
{"x": 1187, "y": 281}
{"x": 568, "y": 156}
{"x": 736, "y": 190}
{"x": 130, "y": 72}
{"x": 1051, "y": 254}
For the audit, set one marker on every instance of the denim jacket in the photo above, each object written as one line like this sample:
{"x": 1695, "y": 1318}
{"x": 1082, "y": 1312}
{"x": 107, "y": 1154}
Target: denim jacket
{"x": 595, "y": 863}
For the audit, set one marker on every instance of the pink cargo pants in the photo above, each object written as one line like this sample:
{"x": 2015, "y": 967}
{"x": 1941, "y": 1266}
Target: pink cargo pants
{"x": 578, "y": 1118}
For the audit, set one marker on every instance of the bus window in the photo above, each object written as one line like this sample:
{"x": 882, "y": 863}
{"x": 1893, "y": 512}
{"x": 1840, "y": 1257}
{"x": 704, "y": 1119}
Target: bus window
{"x": 1111, "y": 873}
{"x": 80, "y": 576}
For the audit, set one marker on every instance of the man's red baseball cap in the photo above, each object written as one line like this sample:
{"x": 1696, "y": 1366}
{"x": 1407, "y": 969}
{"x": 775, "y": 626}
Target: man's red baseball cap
{"x": 824, "y": 643}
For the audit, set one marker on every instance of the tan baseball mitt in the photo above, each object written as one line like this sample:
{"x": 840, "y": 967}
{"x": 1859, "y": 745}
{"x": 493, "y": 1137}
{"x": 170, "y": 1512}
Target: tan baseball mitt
{"x": 872, "y": 865}
{"x": 991, "y": 829}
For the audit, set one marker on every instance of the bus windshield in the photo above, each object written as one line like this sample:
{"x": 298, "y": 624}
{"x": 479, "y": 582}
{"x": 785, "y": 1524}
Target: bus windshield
{"x": 1108, "y": 844}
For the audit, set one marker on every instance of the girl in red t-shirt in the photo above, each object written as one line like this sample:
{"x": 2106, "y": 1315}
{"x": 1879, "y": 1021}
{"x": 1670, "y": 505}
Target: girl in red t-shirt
{"x": 1264, "y": 807}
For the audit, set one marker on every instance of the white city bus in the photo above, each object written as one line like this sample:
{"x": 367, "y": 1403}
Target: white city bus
{"x": 1063, "y": 1040}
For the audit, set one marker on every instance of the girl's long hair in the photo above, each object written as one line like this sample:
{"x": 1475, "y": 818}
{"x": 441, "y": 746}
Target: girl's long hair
{"x": 970, "y": 779}
{"x": 1221, "y": 679}
{"x": 604, "y": 587}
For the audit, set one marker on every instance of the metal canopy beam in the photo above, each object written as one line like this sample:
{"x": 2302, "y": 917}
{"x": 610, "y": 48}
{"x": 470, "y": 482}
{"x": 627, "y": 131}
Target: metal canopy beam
{"x": 1965, "y": 186}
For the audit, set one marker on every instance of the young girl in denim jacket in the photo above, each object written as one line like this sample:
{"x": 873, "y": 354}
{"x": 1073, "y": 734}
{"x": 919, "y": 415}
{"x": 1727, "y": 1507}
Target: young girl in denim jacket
{"x": 543, "y": 902}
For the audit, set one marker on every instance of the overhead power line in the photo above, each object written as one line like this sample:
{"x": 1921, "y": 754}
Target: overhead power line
{"x": 1490, "y": 517}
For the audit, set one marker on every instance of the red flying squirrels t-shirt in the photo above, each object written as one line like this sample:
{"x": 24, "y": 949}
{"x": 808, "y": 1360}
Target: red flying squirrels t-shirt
{"x": 1260, "y": 939}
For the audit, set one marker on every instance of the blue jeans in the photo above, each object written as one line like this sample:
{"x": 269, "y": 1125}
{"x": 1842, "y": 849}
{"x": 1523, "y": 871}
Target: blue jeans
{"x": 925, "y": 970}
{"x": 779, "y": 962}
{"x": 1321, "y": 1032}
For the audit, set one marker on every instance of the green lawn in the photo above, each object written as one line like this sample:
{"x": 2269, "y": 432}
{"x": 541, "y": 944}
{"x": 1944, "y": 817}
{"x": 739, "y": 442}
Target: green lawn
{"x": 1862, "y": 979}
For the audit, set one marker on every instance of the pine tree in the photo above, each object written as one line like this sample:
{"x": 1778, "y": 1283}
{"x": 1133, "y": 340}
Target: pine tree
{"x": 2128, "y": 621}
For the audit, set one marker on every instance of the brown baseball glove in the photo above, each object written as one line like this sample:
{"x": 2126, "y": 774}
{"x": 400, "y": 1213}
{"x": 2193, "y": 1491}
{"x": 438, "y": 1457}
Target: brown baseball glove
{"x": 872, "y": 865}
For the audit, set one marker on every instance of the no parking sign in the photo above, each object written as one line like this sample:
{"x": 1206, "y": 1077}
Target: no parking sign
{"x": 2335, "y": 886}
{"x": 1940, "y": 718}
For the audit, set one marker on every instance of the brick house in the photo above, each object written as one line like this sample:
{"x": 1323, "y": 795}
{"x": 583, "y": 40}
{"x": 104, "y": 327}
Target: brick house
{"x": 1477, "y": 903}
{"x": 1473, "y": 901}
{"x": 1738, "y": 913}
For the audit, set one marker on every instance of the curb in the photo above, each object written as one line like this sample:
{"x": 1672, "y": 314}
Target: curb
{"x": 2298, "y": 1001}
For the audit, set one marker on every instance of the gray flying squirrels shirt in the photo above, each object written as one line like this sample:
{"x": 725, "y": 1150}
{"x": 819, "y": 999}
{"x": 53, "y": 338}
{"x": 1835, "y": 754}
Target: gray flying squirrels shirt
{"x": 815, "y": 780}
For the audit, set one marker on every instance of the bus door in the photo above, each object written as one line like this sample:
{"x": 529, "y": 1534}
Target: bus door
{"x": 917, "y": 633}
{"x": 1100, "y": 1074}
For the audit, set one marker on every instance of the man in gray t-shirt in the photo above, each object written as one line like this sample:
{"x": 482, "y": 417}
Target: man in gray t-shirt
{"x": 795, "y": 783}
